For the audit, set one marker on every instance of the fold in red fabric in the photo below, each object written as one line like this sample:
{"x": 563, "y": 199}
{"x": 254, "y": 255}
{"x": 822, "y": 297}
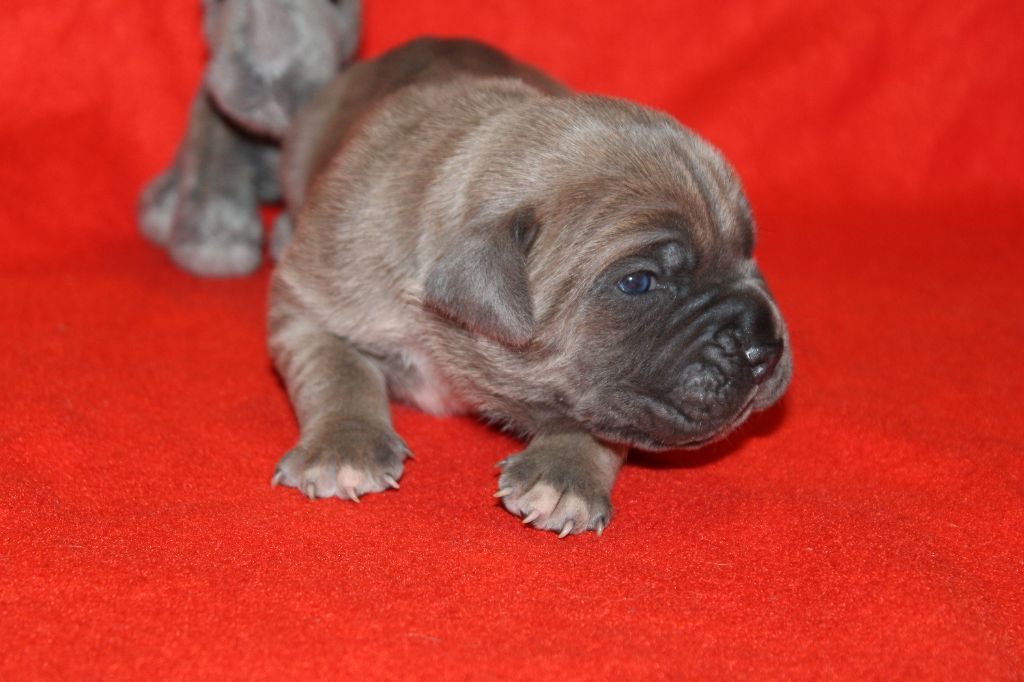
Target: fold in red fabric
{"x": 870, "y": 527}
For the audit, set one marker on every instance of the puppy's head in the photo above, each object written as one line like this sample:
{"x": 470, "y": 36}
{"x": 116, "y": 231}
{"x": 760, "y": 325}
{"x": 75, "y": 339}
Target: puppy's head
{"x": 269, "y": 56}
{"x": 622, "y": 292}
{"x": 676, "y": 338}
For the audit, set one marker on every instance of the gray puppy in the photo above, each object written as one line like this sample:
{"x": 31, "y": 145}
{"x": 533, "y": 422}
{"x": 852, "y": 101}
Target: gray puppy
{"x": 267, "y": 57}
{"x": 475, "y": 238}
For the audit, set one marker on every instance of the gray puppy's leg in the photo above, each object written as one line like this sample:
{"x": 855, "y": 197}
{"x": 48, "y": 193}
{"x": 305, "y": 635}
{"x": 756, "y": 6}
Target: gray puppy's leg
{"x": 270, "y": 190}
{"x": 281, "y": 235}
{"x": 268, "y": 161}
{"x": 561, "y": 482}
{"x": 159, "y": 204}
{"x": 217, "y": 229}
{"x": 347, "y": 446}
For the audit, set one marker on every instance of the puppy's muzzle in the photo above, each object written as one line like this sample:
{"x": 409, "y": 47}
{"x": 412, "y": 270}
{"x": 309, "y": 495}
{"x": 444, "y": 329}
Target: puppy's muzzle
{"x": 736, "y": 351}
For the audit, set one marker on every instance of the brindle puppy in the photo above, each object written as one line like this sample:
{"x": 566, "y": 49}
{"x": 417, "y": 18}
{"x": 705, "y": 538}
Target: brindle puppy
{"x": 473, "y": 237}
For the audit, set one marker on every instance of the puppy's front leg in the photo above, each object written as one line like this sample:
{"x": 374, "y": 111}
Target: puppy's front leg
{"x": 561, "y": 482}
{"x": 347, "y": 446}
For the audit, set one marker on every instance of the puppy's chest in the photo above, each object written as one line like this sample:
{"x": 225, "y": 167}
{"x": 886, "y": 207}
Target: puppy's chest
{"x": 414, "y": 377}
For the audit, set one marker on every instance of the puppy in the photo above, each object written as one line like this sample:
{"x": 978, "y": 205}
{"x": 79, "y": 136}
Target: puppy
{"x": 475, "y": 238}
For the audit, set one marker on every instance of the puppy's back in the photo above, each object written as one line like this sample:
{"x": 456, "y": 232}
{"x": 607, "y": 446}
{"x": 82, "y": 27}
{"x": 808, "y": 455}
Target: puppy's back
{"x": 328, "y": 119}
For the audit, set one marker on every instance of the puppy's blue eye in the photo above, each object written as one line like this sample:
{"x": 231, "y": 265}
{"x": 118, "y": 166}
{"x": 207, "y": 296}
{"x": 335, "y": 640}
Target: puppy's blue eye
{"x": 636, "y": 283}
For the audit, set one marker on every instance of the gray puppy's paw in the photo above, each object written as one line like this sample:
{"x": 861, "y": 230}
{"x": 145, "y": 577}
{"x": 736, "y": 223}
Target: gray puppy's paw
{"x": 217, "y": 259}
{"x": 347, "y": 460}
{"x": 217, "y": 237}
{"x": 555, "y": 491}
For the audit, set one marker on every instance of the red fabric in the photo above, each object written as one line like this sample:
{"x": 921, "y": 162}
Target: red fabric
{"x": 870, "y": 527}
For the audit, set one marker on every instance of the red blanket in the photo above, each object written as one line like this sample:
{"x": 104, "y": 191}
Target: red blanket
{"x": 870, "y": 527}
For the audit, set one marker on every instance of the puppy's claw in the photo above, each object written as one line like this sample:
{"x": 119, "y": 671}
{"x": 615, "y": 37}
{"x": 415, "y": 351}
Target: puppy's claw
{"x": 503, "y": 492}
{"x": 531, "y": 516}
{"x": 566, "y": 529}
{"x": 310, "y": 491}
{"x": 501, "y": 463}
{"x": 600, "y": 526}
{"x": 351, "y": 492}
{"x": 276, "y": 480}
{"x": 392, "y": 482}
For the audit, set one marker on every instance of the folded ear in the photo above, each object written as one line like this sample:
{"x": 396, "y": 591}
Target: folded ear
{"x": 480, "y": 280}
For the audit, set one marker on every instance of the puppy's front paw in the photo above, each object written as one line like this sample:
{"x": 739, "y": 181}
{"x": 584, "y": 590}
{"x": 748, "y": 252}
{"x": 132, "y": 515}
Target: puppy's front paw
{"x": 348, "y": 459}
{"x": 554, "y": 489}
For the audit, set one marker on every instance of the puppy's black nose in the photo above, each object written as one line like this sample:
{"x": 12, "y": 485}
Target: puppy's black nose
{"x": 762, "y": 359}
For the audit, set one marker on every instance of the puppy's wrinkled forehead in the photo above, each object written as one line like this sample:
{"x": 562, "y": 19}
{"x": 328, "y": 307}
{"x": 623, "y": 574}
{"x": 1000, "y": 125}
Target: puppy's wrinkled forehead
{"x": 714, "y": 205}
{"x": 670, "y": 185}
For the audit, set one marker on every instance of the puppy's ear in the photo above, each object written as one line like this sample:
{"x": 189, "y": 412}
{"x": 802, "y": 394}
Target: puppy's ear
{"x": 480, "y": 281}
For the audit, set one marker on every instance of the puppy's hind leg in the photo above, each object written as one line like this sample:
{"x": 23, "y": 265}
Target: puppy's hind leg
{"x": 347, "y": 446}
{"x": 281, "y": 236}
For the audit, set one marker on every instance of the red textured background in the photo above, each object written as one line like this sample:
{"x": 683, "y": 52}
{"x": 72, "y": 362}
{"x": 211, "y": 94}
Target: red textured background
{"x": 870, "y": 527}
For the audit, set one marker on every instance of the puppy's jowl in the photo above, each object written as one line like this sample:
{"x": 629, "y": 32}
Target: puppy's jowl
{"x": 475, "y": 238}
